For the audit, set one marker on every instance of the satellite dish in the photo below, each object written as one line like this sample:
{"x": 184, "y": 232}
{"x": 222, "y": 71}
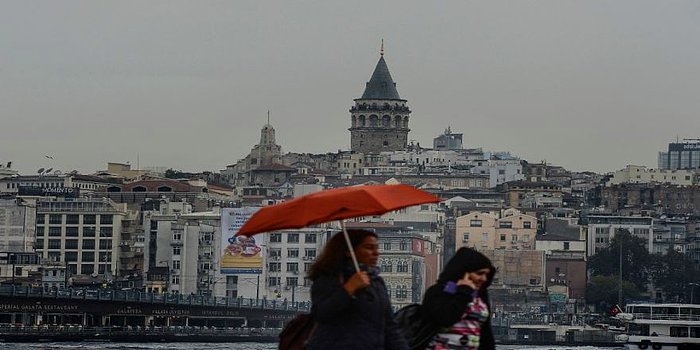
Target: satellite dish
{"x": 41, "y": 170}
{"x": 49, "y": 170}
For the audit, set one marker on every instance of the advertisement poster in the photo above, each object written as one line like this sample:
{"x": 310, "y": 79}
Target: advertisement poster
{"x": 240, "y": 255}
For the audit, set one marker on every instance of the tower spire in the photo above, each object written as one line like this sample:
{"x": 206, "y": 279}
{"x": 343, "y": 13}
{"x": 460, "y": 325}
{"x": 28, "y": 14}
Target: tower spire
{"x": 381, "y": 49}
{"x": 268, "y": 116}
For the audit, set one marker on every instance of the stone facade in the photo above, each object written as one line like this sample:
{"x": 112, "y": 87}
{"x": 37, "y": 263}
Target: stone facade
{"x": 379, "y": 119}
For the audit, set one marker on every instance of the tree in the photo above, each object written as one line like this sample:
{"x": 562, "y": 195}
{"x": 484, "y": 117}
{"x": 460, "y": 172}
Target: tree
{"x": 636, "y": 259}
{"x": 176, "y": 174}
{"x": 673, "y": 273}
{"x": 602, "y": 291}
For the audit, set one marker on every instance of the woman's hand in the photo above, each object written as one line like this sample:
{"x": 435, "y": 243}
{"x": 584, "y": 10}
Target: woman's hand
{"x": 356, "y": 282}
{"x": 468, "y": 281}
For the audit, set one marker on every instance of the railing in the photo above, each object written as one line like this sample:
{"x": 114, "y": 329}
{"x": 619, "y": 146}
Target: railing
{"x": 141, "y": 297}
{"x": 662, "y": 317}
{"x": 8, "y": 328}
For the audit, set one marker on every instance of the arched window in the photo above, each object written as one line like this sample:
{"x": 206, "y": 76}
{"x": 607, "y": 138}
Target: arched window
{"x": 139, "y": 189}
{"x": 354, "y": 121}
{"x": 373, "y": 120}
{"x": 165, "y": 189}
{"x": 362, "y": 121}
{"x": 113, "y": 189}
{"x": 397, "y": 121}
{"x": 386, "y": 121}
{"x": 405, "y": 122}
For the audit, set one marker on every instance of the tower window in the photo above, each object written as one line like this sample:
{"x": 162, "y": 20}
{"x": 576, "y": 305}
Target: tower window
{"x": 386, "y": 143}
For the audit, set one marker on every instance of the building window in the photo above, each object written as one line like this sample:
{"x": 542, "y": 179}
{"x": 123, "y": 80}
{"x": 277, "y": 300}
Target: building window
{"x": 88, "y": 244}
{"x": 71, "y": 232}
{"x": 274, "y": 267}
{"x": 403, "y": 245}
{"x": 88, "y": 232}
{"x": 465, "y": 237}
{"x": 176, "y": 264}
{"x": 105, "y": 219}
{"x": 276, "y": 237}
{"x": 175, "y": 280}
{"x": 566, "y": 245}
{"x": 475, "y": 223}
{"x": 88, "y": 256}
{"x": 72, "y": 219}
{"x": 292, "y": 238}
{"x": 55, "y": 219}
{"x": 385, "y": 266}
{"x": 485, "y": 236}
{"x": 527, "y": 224}
{"x": 273, "y": 281}
{"x": 503, "y": 238}
{"x": 54, "y": 231}
{"x": 54, "y": 244}
{"x": 310, "y": 238}
{"x": 310, "y": 253}
{"x": 505, "y": 224}
{"x": 387, "y": 245}
{"x": 89, "y": 219}
{"x": 292, "y": 267}
{"x": 71, "y": 244}
{"x": 292, "y": 253}
{"x": 105, "y": 244}
{"x": 176, "y": 250}
{"x": 402, "y": 266}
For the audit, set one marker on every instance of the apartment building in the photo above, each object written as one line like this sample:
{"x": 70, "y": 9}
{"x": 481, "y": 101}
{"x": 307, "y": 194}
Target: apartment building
{"x": 511, "y": 230}
{"x": 82, "y": 233}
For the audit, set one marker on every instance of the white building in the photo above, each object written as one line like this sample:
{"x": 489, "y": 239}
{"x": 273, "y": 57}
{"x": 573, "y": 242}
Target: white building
{"x": 642, "y": 174}
{"x": 82, "y": 232}
{"x": 602, "y": 229}
{"x": 17, "y": 225}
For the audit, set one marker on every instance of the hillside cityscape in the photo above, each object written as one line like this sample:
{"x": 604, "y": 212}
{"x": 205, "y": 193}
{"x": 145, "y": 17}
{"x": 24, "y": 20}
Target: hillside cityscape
{"x": 566, "y": 244}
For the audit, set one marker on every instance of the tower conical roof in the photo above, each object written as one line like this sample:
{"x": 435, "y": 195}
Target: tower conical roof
{"x": 381, "y": 86}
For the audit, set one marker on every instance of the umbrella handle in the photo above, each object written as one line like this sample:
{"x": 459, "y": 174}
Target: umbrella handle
{"x": 352, "y": 251}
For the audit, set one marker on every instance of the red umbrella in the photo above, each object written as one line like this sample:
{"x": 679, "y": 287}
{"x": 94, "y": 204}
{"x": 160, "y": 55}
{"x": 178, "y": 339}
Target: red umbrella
{"x": 336, "y": 204}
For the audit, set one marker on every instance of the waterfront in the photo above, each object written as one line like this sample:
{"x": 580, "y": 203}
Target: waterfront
{"x": 222, "y": 346}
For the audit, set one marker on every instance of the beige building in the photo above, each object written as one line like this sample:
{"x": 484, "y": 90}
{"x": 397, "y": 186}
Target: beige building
{"x": 642, "y": 174}
{"x": 511, "y": 230}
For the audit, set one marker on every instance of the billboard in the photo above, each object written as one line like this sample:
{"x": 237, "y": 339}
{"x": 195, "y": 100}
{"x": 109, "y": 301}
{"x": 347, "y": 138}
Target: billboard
{"x": 240, "y": 255}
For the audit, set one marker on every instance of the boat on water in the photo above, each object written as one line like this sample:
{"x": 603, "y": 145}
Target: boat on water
{"x": 662, "y": 326}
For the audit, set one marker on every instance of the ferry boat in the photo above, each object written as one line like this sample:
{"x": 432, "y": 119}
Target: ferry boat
{"x": 662, "y": 326}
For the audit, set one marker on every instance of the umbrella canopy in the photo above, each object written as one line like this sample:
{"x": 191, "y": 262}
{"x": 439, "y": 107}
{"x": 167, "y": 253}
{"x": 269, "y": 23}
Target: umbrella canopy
{"x": 336, "y": 204}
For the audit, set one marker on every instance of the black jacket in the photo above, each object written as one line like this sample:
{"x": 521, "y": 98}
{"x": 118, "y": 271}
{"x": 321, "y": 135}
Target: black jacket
{"x": 441, "y": 309}
{"x": 359, "y": 322}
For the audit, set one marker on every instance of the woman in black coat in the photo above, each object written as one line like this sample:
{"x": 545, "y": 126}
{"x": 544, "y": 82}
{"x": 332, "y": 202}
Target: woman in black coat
{"x": 351, "y": 309}
{"x": 458, "y": 307}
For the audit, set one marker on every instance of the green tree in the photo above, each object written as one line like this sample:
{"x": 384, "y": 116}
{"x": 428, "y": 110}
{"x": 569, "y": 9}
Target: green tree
{"x": 673, "y": 273}
{"x": 636, "y": 260}
{"x": 602, "y": 291}
{"x": 176, "y": 174}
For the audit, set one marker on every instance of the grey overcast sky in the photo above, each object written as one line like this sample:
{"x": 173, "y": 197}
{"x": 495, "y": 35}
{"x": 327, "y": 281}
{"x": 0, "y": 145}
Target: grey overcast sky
{"x": 589, "y": 85}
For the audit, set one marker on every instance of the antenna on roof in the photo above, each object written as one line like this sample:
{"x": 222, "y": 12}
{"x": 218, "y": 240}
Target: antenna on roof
{"x": 268, "y": 116}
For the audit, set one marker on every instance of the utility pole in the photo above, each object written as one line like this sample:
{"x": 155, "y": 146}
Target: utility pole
{"x": 619, "y": 287}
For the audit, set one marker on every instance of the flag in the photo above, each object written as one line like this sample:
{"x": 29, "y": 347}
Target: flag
{"x": 615, "y": 310}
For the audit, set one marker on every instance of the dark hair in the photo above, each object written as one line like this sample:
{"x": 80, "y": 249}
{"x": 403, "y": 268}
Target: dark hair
{"x": 333, "y": 256}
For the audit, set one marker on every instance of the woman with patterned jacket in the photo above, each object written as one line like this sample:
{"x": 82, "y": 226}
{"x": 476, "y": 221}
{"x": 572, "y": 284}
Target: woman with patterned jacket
{"x": 458, "y": 305}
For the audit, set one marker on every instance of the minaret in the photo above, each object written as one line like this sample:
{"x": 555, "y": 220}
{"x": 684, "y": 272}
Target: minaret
{"x": 380, "y": 117}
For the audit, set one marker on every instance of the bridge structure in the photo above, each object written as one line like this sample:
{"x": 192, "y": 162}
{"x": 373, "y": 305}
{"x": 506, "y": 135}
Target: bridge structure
{"x": 29, "y": 306}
